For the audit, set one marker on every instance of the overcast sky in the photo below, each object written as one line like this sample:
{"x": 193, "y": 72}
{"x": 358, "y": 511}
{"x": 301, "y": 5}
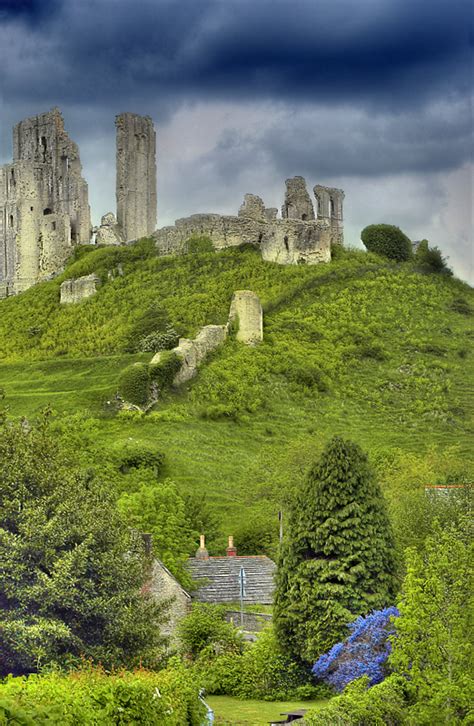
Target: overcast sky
{"x": 372, "y": 96}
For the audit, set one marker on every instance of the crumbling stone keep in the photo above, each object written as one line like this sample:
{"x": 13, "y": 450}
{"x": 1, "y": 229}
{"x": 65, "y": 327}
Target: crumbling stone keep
{"x": 298, "y": 204}
{"x": 136, "y": 175}
{"x": 44, "y": 208}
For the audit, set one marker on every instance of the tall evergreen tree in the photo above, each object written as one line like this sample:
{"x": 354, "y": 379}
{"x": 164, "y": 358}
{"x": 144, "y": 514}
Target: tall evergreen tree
{"x": 337, "y": 558}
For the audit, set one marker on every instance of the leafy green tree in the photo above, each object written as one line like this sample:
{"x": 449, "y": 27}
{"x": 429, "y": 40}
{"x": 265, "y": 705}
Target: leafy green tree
{"x": 157, "y": 508}
{"x": 337, "y": 559}
{"x": 387, "y": 240}
{"x": 432, "y": 648}
{"x": 71, "y": 570}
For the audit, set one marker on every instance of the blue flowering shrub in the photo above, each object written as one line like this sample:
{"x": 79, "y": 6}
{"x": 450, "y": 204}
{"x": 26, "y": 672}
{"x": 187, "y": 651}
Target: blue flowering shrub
{"x": 363, "y": 653}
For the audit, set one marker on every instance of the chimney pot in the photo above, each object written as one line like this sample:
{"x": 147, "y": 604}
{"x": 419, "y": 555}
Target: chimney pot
{"x": 202, "y": 553}
{"x": 231, "y": 550}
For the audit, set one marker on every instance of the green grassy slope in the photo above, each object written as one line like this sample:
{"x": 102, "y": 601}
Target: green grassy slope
{"x": 374, "y": 351}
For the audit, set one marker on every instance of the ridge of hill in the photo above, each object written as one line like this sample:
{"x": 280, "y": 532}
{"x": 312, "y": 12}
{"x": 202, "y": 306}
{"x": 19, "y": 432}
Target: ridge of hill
{"x": 362, "y": 347}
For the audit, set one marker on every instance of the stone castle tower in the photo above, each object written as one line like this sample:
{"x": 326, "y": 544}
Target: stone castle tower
{"x": 44, "y": 208}
{"x": 136, "y": 175}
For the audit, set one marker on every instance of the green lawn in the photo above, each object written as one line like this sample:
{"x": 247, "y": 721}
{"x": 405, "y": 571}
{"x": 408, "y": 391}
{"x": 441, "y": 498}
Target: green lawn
{"x": 234, "y": 712}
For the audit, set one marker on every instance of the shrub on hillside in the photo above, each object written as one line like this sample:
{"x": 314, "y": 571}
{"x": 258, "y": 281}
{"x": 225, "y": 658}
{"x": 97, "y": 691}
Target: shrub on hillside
{"x": 461, "y": 305}
{"x": 134, "y": 384}
{"x": 198, "y": 244}
{"x": 158, "y": 340}
{"x": 139, "y": 454}
{"x": 430, "y": 259}
{"x": 150, "y": 324}
{"x": 387, "y": 240}
{"x": 163, "y": 372}
{"x": 363, "y": 653}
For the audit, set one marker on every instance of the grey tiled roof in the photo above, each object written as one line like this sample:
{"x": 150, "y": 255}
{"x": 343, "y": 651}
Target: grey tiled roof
{"x": 218, "y": 579}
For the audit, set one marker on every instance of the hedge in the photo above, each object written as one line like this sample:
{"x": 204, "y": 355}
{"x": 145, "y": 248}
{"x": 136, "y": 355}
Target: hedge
{"x": 90, "y": 696}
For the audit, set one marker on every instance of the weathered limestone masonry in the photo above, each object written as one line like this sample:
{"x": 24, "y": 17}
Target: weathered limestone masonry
{"x": 299, "y": 236}
{"x": 247, "y": 310}
{"x": 136, "y": 175}
{"x": 109, "y": 232}
{"x": 44, "y": 209}
{"x": 73, "y": 291}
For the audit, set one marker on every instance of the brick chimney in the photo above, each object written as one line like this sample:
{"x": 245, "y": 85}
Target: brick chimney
{"x": 202, "y": 553}
{"x": 231, "y": 550}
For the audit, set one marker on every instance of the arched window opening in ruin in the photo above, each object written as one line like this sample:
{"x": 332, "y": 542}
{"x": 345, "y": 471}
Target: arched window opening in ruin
{"x": 44, "y": 146}
{"x": 11, "y": 220}
{"x": 287, "y": 246}
{"x": 331, "y": 207}
{"x": 304, "y": 217}
{"x": 53, "y": 226}
{"x": 31, "y": 209}
{"x": 47, "y": 211}
{"x": 260, "y": 238}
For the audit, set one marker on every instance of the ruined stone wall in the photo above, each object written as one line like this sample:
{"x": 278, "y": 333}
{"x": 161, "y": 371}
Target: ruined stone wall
{"x": 295, "y": 238}
{"x": 44, "y": 207}
{"x": 246, "y": 309}
{"x": 136, "y": 175}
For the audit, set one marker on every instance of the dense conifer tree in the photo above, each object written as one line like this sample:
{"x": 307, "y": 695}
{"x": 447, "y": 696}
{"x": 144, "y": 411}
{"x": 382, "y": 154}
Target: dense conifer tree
{"x": 337, "y": 559}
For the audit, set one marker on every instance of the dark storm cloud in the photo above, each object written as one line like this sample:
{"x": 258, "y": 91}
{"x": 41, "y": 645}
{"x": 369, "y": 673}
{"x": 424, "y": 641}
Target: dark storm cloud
{"x": 374, "y": 51}
{"x": 33, "y": 10}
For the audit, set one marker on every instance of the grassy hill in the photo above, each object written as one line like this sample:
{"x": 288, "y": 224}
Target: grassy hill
{"x": 362, "y": 347}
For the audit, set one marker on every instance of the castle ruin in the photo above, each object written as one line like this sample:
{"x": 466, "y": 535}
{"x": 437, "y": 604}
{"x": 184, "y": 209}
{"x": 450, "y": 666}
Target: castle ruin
{"x": 300, "y": 235}
{"x": 44, "y": 209}
{"x": 136, "y": 175}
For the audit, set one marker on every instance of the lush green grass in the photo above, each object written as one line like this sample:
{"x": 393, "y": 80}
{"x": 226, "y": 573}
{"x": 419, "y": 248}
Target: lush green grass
{"x": 234, "y": 712}
{"x": 374, "y": 351}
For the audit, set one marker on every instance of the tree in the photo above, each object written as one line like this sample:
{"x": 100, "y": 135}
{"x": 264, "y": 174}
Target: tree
{"x": 71, "y": 571}
{"x": 337, "y": 560}
{"x": 432, "y": 647}
{"x": 387, "y": 240}
{"x": 157, "y": 508}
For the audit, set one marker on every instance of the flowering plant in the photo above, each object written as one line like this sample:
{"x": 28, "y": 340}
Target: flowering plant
{"x": 363, "y": 653}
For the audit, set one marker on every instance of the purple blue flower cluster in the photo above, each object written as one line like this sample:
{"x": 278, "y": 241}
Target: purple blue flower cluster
{"x": 363, "y": 653}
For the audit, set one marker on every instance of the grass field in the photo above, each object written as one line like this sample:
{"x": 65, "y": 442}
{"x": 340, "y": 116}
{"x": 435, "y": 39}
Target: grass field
{"x": 378, "y": 353}
{"x": 235, "y": 712}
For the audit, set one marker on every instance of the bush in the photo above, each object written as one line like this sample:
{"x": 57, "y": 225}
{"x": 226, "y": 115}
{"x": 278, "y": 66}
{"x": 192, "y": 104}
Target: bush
{"x": 158, "y": 340}
{"x": 90, "y": 696}
{"x": 430, "y": 259}
{"x": 153, "y": 321}
{"x": 387, "y": 240}
{"x": 363, "y": 653}
{"x": 134, "y": 384}
{"x": 198, "y": 244}
{"x": 205, "y": 627}
{"x": 163, "y": 372}
{"x": 381, "y": 705}
{"x": 135, "y": 455}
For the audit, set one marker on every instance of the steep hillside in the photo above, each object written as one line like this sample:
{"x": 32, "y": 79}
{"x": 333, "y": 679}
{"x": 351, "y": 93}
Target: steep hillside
{"x": 375, "y": 351}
